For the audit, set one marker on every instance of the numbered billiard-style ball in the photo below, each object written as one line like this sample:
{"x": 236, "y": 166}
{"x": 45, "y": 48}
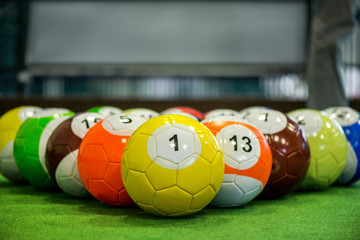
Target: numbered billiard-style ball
{"x": 141, "y": 112}
{"x": 217, "y": 118}
{"x": 172, "y": 166}
{"x": 105, "y": 110}
{"x": 99, "y": 158}
{"x": 30, "y": 145}
{"x": 220, "y": 112}
{"x": 349, "y": 120}
{"x": 192, "y": 111}
{"x": 290, "y": 151}
{"x": 176, "y": 112}
{"x": 248, "y": 161}
{"x": 328, "y": 148}
{"x": 62, "y": 151}
{"x": 254, "y": 109}
{"x": 10, "y": 123}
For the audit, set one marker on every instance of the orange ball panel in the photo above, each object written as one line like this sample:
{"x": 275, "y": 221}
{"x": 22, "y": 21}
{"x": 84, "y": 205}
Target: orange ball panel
{"x": 103, "y": 192}
{"x": 111, "y": 175}
{"x": 92, "y": 162}
{"x": 99, "y": 164}
{"x": 261, "y": 170}
{"x": 124, "y": 198}
{"x": 114, "y": 146}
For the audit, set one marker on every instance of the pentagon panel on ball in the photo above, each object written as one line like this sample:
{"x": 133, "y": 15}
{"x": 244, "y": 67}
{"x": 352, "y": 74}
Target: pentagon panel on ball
{"x": 172, "y": 166}
{"x": 99, "y": 158}
{"x": 10, "y": 123}
{"x": 105, "y": 110}
{"x": 328, "y": 148}
{"x": 62, "y": 152}
{"x": 30, "y": 145}
{"x": 248, "y": 162}
{"x": 349, "y": 120}
{"x": 290, "y": 151}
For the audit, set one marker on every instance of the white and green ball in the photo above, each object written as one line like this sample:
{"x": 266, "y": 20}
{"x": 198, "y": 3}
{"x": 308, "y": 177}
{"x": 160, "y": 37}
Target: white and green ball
{"x": 328, "y": 148}
{"x": 30, "y": 145}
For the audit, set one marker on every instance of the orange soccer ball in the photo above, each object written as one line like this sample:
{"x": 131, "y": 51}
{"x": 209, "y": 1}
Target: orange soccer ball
{"x": 99, "y": 158}
{"x": 248, "y": 162}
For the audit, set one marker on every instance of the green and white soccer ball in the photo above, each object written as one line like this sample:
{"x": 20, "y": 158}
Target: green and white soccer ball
{"x": 30, "y": 145}
{"x": 328, "y": 148}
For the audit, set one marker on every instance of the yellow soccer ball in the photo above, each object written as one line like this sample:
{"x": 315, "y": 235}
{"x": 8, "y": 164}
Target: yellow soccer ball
{"x": 10, "y": 123}
{"x": 172, "y": 166}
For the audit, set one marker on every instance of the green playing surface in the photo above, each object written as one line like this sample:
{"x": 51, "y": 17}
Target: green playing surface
{"x": 29, "y": 213}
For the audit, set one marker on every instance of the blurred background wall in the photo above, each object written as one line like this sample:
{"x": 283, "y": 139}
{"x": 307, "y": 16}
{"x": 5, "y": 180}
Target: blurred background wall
{"x": 161, "y": 53}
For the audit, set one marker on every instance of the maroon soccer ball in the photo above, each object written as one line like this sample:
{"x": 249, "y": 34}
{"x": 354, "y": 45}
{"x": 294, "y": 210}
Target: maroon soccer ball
{"x": 290, "y": 151}
{"x": 62, "y": 150}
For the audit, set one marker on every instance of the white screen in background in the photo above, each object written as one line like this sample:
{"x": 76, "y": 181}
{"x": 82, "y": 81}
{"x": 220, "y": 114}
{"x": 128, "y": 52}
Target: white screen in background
{"x": 175, "y": 32}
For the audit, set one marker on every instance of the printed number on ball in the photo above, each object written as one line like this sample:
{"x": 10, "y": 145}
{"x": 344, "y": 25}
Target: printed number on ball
{"x": 268, "y": 121}
{"x": 81, "y": 124}
{"x": 310, "y": 122}
{"x": 345, "y": 116}
{"x": 124, "y": 127}
{"x": 240, "y": 146}
{"x": 174, "y": 146}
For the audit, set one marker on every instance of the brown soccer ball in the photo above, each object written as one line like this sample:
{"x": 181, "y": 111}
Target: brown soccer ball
{"x": 62, "y": 150}
{"x": 290, "y": 151}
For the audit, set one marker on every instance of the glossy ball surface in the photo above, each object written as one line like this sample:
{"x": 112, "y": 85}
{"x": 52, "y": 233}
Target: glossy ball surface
{"x": 172, "y": 166}
{"x": 328, "y": 148}
{"x": 188, "y": 110}
{"x": 248, "y": 161}
{"x": 10, "y": 123}
{"x": 290, "y": 151}
{"x": 219, "y": 118}
{"x": 175, "y": 112}
{"x": 100, "y": 156}
{"x": 62, "y": 152}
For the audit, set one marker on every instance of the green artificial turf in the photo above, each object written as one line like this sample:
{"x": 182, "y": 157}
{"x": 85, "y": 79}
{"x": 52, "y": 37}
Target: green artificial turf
{"x": 30, "y": 213}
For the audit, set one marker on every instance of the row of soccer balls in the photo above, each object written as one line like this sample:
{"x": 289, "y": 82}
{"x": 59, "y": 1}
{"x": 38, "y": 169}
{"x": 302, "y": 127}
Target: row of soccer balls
{"x": 173, "y": 165}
